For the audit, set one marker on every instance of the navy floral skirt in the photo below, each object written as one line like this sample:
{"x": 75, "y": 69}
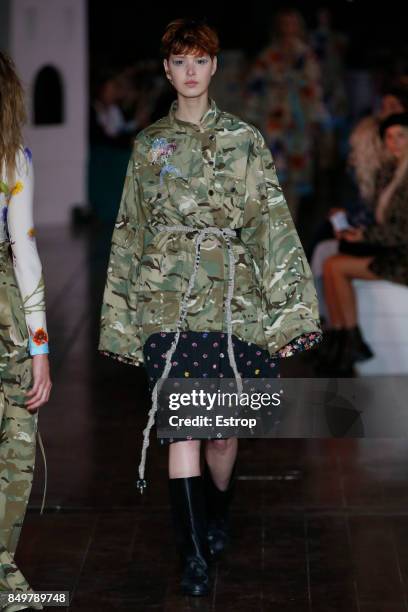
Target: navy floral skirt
{"x": 205, "y": 355}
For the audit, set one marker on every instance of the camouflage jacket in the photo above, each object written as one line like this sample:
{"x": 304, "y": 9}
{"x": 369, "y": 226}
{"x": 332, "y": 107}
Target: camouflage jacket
{"x": 218, "y": 173}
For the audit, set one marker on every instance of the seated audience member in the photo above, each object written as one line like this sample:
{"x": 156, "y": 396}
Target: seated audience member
{"x": 378, "y": 251}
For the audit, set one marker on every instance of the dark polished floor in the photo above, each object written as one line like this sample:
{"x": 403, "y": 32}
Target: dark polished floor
{"x": 319, "y": 525}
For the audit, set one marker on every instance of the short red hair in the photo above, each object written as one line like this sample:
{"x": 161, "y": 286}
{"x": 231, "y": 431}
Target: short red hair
{"x": 189, "y": 35}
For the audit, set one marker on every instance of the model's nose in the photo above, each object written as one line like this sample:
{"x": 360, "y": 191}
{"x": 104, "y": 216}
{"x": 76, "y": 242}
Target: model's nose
{"x": 191, "y": 69}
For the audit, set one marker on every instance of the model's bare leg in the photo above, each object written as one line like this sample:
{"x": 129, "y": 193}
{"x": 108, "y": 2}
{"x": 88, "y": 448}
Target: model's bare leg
{"x": 184, "y": 459}
{"x": 220, "y": 456}
{"x": 342, "y": 269}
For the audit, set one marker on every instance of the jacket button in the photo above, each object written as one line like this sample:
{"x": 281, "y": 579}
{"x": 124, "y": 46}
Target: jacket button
{"x": 211, "y": 163}
{"x": 212, "y": 137}
{"x": 233, "y": 189}
{"x": 210, "y": 192}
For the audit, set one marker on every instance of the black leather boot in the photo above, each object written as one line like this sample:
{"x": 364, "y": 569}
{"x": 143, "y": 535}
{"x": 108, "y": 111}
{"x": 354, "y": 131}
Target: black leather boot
{"x": 218, "y": 504}
{"x": 189, "y": 519}
{"x": 361, "y": 350}
{"x": 353, "y": 349}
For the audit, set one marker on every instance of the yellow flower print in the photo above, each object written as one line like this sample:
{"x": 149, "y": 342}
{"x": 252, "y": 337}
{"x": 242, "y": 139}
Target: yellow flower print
{"x": 186, "y": 374}
{"x": 257, "y": 371}
{"x": 31, "y": 233}
{"x": 18, "y": 187}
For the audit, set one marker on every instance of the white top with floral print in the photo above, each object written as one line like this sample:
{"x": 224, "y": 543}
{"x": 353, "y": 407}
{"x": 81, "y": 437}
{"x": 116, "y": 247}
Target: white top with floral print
{"x": 16, "y": 226}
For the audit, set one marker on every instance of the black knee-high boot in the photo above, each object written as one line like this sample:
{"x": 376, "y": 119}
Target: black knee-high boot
{"x": 218, "y": 505}
{"x": 190, "y": 522}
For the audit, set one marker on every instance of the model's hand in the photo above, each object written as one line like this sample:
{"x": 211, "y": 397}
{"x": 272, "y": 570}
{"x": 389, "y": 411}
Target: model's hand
{"x": 353, "y": 235}
{"x": 40, "y": 392}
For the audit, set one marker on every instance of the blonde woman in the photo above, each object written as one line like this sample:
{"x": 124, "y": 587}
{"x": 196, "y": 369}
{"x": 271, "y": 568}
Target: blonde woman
{"x": 383, "y": 249}
{"x": 24, "y": 370}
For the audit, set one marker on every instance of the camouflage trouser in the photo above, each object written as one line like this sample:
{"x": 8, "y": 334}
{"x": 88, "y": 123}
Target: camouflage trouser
{"x": 17, "y": 456}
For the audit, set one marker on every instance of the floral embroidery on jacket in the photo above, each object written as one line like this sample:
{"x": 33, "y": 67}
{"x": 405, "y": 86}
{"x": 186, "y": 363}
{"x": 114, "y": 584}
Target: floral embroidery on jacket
{"x": 159, "y": 153}
{"x": 161, "y": 150}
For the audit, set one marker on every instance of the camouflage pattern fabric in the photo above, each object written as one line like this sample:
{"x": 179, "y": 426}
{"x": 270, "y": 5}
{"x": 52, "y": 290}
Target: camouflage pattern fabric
{"x": 218, "y": 173}
{"x": 17, "y": 428}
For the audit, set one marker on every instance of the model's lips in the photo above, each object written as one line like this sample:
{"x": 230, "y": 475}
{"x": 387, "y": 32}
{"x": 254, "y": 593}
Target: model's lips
{"x": 191, "y": 83}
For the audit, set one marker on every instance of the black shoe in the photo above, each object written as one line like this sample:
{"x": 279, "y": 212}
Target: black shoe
{"x": 361, "y": 350}
{"x": 218, "y": 503}
{"x": 189, "y": 518}
{"x": 354, "y": 349}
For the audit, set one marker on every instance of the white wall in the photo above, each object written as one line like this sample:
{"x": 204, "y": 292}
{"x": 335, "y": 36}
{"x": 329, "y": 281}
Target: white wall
{"x": 54, "y": 32}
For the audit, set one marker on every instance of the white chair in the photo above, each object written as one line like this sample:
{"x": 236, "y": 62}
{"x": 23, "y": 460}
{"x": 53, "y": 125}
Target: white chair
{"x": 383, "y": 319}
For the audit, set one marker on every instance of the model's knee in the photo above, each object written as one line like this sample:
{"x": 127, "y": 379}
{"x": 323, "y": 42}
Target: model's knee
{"x": 222, "y": 446}
{"x": 185, "y": 446}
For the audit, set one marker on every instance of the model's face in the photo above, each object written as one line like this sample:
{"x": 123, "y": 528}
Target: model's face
{"x": 190, "y": 74}
{"x": 390, "y": 105}
{"x": 396, "y": 141}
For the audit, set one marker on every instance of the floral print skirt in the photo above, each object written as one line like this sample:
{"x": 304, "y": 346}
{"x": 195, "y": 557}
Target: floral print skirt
{"x": 205, "y": 355}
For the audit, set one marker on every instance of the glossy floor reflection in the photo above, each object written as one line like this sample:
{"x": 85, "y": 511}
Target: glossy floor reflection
{"x": 320, "y": 525}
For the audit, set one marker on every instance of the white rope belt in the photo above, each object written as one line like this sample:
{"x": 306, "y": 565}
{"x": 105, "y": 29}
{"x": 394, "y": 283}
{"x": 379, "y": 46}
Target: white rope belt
{"x": 201, "y": 234}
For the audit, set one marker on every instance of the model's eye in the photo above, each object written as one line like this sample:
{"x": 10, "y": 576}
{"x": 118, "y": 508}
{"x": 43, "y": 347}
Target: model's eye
{"x": 177, "y": 62}
{"x": 203, "y": 60}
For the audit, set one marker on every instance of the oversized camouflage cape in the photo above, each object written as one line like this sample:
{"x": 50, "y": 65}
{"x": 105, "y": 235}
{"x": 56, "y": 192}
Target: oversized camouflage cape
{"x": 218, "y": 173}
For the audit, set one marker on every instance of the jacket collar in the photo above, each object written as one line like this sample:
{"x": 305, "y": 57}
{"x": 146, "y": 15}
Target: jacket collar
{"x": 207, "y": 121}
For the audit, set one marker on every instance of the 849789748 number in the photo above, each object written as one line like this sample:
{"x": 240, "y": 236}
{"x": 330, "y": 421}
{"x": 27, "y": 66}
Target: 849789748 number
{"x": 50, "y": 598}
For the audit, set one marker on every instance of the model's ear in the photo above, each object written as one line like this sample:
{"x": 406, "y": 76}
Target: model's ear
{"x": 166, "y": 69}
{"x": 214, "y": 67}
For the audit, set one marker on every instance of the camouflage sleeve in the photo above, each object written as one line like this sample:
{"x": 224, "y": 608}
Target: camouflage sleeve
{"x": 289, "y": 302}
{"x": 119, "y": 337}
